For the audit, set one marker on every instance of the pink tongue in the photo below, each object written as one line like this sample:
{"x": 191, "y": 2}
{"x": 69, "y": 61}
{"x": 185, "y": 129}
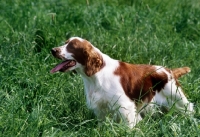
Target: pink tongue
{"x": 59, "y": 66}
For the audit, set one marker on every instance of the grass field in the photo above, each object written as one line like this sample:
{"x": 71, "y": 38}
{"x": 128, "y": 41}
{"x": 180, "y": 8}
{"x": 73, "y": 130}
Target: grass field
{"x": 34, "y": 102}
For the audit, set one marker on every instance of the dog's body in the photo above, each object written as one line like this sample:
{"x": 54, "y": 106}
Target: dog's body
{"x": 118, "y": 88}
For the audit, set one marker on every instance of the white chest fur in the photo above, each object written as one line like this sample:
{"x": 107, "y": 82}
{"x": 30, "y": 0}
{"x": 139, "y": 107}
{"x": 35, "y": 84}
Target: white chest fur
{"x": 105, "y": 95}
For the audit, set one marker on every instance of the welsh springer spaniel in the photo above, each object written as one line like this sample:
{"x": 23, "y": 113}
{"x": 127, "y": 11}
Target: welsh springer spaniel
{"x": 118, "y": 88}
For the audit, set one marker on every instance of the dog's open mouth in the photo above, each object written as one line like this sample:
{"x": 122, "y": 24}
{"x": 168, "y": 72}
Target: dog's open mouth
{"x": 65, "y": 65}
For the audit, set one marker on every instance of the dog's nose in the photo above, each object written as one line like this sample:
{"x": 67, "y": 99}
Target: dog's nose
{"x": 54, "y": 51}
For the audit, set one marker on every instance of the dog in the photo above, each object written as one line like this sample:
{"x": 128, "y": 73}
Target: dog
{"x": 120, "y": 89}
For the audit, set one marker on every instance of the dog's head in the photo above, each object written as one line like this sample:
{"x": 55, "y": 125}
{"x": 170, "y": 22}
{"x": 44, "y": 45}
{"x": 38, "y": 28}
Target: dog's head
{"x": 78, "y": 53}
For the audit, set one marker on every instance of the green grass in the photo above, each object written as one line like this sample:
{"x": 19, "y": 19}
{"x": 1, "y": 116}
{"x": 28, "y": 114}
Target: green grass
{"x": 34, "y": 102}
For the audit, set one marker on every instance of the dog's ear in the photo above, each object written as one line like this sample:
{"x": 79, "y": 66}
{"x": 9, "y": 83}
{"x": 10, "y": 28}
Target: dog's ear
{"x": 94, "y": 62}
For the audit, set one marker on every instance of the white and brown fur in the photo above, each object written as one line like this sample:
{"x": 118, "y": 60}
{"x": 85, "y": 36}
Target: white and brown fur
{"x": 118, "y": 88}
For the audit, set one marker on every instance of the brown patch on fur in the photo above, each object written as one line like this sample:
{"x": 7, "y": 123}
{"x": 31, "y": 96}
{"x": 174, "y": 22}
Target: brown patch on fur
{"x": 85, "y": 54}
{"x": 140, "y": 82}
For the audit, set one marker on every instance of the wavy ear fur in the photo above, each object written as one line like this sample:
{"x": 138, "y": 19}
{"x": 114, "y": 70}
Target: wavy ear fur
{"x": 94, "y": 62}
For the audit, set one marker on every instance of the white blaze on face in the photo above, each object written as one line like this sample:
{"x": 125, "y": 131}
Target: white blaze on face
{"x": 64, "y": 53}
